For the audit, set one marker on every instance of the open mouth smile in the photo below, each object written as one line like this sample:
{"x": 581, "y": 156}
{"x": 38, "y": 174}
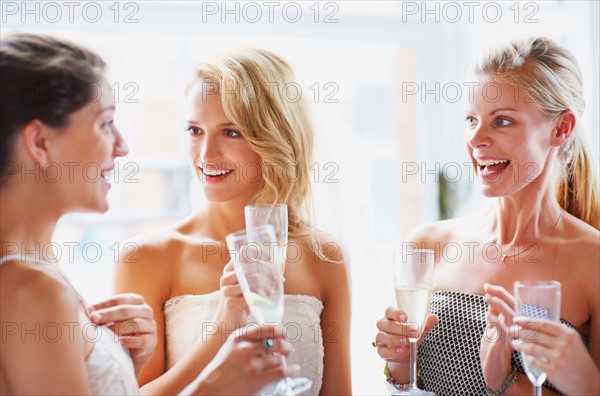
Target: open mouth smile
{"x": 492, "y": 169}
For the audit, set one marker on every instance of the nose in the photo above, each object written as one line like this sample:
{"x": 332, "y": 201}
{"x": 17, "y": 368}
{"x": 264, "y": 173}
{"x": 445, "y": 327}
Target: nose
{"x": 120, "y": 148}
{"x": 210, "y": 148}
{"x": 478, "y": 137}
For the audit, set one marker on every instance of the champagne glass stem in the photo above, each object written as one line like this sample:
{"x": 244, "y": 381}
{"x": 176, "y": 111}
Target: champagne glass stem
{"x": 537, "y": 390}
{"x": 413, "y": 365}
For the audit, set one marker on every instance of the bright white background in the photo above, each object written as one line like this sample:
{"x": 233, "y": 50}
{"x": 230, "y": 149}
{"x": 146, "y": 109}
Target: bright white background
{"x": 356, "y": 61}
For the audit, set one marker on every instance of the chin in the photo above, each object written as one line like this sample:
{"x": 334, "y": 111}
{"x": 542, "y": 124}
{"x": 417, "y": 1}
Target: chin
{"x": 98, "y": 205}
{"x": 491, "y": 194}
{"x": 217, "y": 197}
{"x": 492, "y": 191}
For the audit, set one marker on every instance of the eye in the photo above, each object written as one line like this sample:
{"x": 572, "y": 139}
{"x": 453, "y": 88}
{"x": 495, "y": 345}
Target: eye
{"x": 108, "y": 125}
{"x": 232, "y": 133}
{"x": 502, "y": 122}
{"x": 193, "y": 131}
{"x": 471, "y": 121}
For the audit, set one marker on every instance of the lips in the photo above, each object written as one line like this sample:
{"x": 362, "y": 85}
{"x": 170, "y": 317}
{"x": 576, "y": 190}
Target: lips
{"x": 105, "y": 173}
{"x": 491, "y": 169}
{"x": 214, "y": 174}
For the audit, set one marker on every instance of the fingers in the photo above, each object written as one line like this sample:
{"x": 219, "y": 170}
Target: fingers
{"x": 549, "y": 327}
{"x": 143, "y": 341}
{"x": 430, "y": 323}
{"x": 395, "y": 314}
{"x": 393, "y": 338}
{"x": 228, "y": 278}
{"x": 254, "y": 333}
{"x": 119, "y": 299}
{"x": 394, "y": 353}
{"x": 498, "y": 302}
{"x": 229, "y": 267}
{"x": 501, "y": 293}
{"x": 391, "y": 347}
{"x": 232, "y": 291}
{"x": 280, "y": 347}
{"x": 122, "y": 313}
{"x": 395, "y": 328}
{"x": 265, "y": 362}
{"x": 543, "y": 364}
{"x": 275, "y": 372}
{"x": 541, "y": 356}
{"x": 556, "y": 337}
{"x": 133, "y": 326}
{"x": 497, "y": 324}
{"x": 532, "y": 347}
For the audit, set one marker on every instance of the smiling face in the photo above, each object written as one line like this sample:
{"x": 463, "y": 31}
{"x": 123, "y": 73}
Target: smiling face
{"x": 508, "y": 137}
{"x": 224, "y": 163}
{"x": 86, "y": 151}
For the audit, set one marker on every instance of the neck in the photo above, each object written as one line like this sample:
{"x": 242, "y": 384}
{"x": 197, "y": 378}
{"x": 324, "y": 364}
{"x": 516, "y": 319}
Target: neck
{"x": 224, "y": 218}
{"x": 26, "y": 225}
{"x": 527, "y": 215}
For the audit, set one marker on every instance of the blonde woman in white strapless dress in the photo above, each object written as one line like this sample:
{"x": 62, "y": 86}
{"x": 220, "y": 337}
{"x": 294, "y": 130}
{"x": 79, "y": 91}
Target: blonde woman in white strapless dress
{"x": 246, "y": 146}
{"x": 53, "y": 343}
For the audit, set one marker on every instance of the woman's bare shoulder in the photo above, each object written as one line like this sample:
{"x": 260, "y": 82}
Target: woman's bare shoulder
{"x": 582, "y": 238}
{"x": 156, "y": 246}
{"x": 28, "y": 293}
{"x": 322, "y": 247}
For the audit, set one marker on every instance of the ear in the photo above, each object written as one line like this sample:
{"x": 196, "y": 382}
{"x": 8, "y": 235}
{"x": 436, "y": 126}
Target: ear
{"x": 36, "y": 136}
{"x": 565, "y": 124}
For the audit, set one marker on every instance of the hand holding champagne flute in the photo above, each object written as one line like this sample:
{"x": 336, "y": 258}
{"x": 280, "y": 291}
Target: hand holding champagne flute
{"x": 413, "y": 283}
{"x": 257, "y": 263}
{"x": 540, "y": 300}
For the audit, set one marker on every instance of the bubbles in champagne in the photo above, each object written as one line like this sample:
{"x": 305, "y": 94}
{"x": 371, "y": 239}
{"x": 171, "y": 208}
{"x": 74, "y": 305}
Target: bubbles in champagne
{"x": 415, "y": 302}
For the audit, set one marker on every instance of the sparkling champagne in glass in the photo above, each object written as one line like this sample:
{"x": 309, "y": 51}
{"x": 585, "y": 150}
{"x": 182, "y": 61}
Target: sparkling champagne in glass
{"x": 413, "y": 283}
{"x": 541, "y": 300}
{"x": 257, "y": 263}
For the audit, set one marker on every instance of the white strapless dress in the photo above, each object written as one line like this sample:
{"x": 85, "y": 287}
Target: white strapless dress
{"x": 187, "y": 317}
{"x": 110, "y": 370}
{"x": 109, "y": 367}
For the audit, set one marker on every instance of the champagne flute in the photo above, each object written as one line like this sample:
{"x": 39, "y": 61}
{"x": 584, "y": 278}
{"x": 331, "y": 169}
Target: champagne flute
{"x": 413, "y": 282}
{"x": 257, "y": 263}
{"x": 277, "y": 216}
{"x": 536, "y": 299}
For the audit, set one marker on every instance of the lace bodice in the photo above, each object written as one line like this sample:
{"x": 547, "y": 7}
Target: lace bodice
{"x": 109, "y": 367}
{"x": 188, "y": 317}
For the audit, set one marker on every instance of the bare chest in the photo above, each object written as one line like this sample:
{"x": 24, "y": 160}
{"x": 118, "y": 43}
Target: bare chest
{"x": 200, "y": 268}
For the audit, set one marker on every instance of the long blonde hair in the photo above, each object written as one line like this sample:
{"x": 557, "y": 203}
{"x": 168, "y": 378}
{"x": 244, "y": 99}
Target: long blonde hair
{"x": 552, "y": 78}
{"x": 260, "y": 96}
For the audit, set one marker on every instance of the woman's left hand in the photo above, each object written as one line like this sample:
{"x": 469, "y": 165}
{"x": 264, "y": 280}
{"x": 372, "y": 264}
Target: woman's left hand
{"x": 558, "y": 351}
{"x": 496, "y": 349}
{"x": 132, "y": 320}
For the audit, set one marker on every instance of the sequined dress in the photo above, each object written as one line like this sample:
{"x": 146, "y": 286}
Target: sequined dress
{"x": 449, "y": 354}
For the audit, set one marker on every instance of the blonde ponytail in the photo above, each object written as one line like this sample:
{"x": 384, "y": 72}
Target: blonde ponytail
{"x": 577, "y": 189}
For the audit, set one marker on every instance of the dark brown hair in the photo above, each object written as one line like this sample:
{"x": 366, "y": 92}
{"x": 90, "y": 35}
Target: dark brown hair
{"x": 43, "y": 78}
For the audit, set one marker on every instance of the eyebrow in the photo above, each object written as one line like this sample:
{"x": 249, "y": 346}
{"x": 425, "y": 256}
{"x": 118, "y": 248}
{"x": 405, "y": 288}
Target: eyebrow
{"x": 503, "y": 109}
{"x": 107, "y": 108}
{"x": 221, "y": 125}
